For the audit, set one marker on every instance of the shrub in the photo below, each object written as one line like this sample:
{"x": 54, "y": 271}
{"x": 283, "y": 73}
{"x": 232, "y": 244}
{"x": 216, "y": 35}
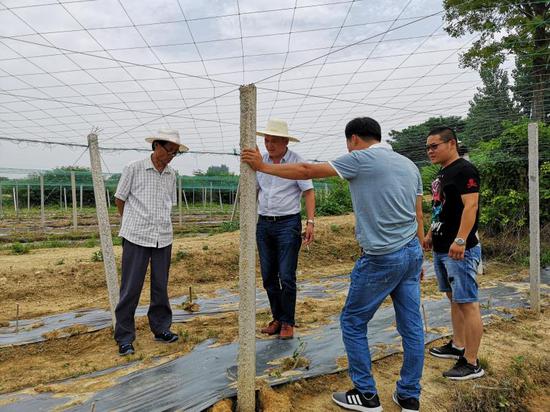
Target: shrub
{"x": 97, "y": 256}
{"x": 20, "y": 249}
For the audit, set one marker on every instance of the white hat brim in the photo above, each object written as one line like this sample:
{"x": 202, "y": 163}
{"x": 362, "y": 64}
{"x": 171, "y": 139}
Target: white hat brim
{"x": 270, "y": 133}
{"x": 182, "y": 147}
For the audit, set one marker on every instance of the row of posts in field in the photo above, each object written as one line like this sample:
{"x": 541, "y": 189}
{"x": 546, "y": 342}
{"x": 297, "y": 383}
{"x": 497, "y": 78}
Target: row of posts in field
{"x": 202, "y": 196}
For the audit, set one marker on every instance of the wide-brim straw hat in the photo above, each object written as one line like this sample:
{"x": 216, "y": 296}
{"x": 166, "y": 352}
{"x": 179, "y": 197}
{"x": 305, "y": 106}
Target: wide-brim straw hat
{"x": 277, "y": 128}
{"x": 168, "y": 135}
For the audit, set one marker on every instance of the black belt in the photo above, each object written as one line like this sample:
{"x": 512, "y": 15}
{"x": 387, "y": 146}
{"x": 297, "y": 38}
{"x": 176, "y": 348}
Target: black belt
{"x": 277, "y": 218}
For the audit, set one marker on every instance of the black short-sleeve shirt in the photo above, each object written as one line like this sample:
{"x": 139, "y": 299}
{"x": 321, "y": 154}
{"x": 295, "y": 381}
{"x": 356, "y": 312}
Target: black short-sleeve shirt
{"x": 459, "y": 178}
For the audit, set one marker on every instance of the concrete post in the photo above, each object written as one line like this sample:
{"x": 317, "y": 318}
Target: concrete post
{"x": 15, "y": 202}
{"x": 246, "y": 399}
{"x": 104, "y": 226}
{"x": 534, "y": 217}
{"x": 221, "y": 202}
{"x": 29, "y": 197}
{"x": 1, "y": 201}
{"x": 179, "y": 201}
{"x": 65, "y": 197}
{"x": 73, "y": 198}
{"x": 81, "y": 197}
{"x": 185, "y": 200}
{"x": 42, "y": 212}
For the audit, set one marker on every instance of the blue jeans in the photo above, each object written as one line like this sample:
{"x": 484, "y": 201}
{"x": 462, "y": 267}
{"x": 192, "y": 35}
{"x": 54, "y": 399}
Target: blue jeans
{"x": 278, "y": 246}
{"x": 458, "y": 276}
{"x": 374, "y": 278}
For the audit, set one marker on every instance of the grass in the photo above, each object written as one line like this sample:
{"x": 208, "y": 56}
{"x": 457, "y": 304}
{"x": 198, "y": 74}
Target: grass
{"x": 180, "y": 255}
{"x": 20, "y": 249}
{"x": 509, "y": 391}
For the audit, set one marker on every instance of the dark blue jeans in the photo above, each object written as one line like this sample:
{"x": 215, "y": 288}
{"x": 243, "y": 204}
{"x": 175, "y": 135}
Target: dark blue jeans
{"x": 373, "y": 278}
{"x": 278, "y": 246}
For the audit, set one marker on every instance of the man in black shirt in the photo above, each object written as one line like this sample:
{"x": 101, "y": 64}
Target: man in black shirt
{"x": 456, "y": 250}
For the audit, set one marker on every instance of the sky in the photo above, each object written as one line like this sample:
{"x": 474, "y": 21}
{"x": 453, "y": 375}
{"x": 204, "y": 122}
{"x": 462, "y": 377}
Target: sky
{"x": 131, "y": 67}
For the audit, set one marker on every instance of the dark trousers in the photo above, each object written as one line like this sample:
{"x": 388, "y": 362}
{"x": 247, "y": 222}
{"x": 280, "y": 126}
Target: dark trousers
{"x": 278, "y": 247}
{"x": 135, "y": 260}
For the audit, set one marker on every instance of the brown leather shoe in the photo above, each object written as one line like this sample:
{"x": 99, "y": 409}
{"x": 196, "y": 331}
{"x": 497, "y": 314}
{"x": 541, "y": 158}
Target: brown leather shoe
{"x": 273, "y": 328}
{"x": 287, "y": 331}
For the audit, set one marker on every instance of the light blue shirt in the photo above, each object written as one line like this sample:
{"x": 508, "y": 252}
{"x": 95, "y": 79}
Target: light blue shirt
{"x": 278, "y": 196}
{"x": 384, "y": 186}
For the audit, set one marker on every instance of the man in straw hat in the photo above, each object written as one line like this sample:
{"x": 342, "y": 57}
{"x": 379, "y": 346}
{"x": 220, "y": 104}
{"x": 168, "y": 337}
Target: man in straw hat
{"x": 386, "y": 191}
{"x": 279, "y": 229}
{"x": 145, "y": 195}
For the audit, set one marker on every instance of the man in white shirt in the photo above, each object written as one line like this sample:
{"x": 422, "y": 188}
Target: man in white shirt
{"x": 145, "y": 195}
{"x": 279, "y": 229}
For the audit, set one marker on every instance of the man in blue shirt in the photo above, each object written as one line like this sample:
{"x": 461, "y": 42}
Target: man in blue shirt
{"x": 386, "y": 191}
{"x": 279, "y": 229}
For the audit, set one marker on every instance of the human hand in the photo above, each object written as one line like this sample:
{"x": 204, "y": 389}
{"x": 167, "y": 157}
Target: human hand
{"x": 456, "y": 252}
{"x": 308, "y": 235}
{"x": 427, "y": 243}
{"x": 252, "y": 157}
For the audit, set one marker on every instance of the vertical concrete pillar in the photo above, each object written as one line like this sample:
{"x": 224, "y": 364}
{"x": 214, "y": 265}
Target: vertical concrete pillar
{"x": 246, "y": 398}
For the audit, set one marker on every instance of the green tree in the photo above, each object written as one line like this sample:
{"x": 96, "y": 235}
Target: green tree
{"x": 523, "y": 88}
{"x": 503, "y": 166}
{"x": 221, "y": 170}
{"x": 515, "y": 27}
{"x": 411, "y": 141}
{"x": 490, "y": 106}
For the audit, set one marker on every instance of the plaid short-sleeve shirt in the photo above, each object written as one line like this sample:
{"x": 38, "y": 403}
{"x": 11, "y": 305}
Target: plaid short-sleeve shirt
{"x": 149, "y": 197}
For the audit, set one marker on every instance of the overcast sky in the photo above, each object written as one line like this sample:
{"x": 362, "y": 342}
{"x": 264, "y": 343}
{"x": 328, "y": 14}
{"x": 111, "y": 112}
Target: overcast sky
{"x": 132, "y": 67}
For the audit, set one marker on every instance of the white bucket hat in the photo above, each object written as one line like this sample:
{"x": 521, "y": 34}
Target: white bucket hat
{"x": 168, "y": 135}
{"x": 278, "y": 128}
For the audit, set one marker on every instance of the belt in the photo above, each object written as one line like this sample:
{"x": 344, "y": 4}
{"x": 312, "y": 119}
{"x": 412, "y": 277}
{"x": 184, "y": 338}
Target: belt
{"x": 277, "y": 218}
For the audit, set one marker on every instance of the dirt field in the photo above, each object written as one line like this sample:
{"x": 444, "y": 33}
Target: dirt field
{"x": 47, "y": 281}
{"x": 506, "y": 344}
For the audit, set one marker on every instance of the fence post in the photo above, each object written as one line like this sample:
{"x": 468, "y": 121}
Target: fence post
{"x": 81, "y": 197}
{"x": 15, "y": 202}
{"x": 185, "y": 200}
{"x": 1, "y": 201}
{"x": 73, "y": 196}
{"x": 179, "y": 200}
{"x": 42, "y": 212}
{"x": 65, "y": 196}
{"x": 104, "y": 226}
{"x": 534, "y": 217}
{"x": 29, "y": 197}
{"x": 246, "y": 399}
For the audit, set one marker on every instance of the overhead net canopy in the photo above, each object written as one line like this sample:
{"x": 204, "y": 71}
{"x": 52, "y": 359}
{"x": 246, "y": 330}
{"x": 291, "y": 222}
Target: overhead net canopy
{"x": 132, "y": 67}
